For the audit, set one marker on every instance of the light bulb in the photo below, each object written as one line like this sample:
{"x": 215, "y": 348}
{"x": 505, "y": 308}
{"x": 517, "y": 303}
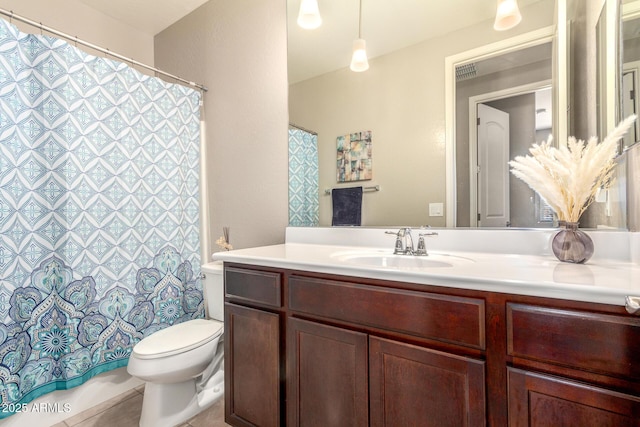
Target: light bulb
{"x": 507, "y": 15}
{"x": 359, "y": 60}
{"x": 309, "y": 15}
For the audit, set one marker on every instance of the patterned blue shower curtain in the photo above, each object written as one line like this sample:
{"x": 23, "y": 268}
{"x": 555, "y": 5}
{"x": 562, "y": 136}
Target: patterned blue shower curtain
{"x": 99, "y": 213}
{"x": 303, "y": 178}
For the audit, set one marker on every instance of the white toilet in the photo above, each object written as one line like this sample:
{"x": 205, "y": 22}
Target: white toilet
{"x": 183, "y": 364}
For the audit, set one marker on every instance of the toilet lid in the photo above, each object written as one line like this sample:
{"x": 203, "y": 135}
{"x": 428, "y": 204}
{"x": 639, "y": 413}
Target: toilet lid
{"x": 178, "y": 338}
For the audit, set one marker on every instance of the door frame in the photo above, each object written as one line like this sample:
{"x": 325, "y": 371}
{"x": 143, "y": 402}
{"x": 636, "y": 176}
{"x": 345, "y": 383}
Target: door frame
{"x": 473, "y": 134}
{"x": 634, "y": 67}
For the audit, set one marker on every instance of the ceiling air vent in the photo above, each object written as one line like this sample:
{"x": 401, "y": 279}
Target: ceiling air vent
{"x": 466, "y": 71}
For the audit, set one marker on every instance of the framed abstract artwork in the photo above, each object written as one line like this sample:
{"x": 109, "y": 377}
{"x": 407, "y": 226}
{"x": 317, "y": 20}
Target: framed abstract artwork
{"x": 354, "y": 157}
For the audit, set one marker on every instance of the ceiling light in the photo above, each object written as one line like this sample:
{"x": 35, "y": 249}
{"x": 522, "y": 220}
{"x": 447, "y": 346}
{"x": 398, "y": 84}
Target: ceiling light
{"x": 507, "y": 15}
{"x": 359, "y": 60}
{"x": 309, "y": 15}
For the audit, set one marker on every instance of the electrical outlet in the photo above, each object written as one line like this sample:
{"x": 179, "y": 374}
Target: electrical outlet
{"x": 436, "y": 209}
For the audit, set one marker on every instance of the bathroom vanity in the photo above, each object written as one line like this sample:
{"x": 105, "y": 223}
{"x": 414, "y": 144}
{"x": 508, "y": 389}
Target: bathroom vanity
{"x": 317, "y": 336}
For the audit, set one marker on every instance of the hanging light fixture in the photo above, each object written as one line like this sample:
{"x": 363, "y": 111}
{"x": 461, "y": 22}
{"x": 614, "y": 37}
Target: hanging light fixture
{"x": 507, "y": 15}
{"x": 359, "y": 60}
{"x": 309, "y": 15}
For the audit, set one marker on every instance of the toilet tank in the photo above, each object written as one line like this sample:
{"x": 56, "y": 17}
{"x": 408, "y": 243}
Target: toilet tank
{"x": 213, "y": 288}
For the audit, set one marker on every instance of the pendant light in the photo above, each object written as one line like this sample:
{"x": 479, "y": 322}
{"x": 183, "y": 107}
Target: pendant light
{"x": 309, "y": 15}
{"x": 507, "y": 15}
{"x": 359, "y": 60}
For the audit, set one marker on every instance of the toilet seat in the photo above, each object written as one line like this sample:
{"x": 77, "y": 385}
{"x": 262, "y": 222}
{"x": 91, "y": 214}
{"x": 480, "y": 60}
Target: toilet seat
{"x": 178, "y": 339}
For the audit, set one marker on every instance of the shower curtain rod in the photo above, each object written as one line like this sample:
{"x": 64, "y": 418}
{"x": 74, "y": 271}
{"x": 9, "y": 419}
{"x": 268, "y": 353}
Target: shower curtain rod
{"x": 303, "y": 129}
{"x": 75, "y": 39}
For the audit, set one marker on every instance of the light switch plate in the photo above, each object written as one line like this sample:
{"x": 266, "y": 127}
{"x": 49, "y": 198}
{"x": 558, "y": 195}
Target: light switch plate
{"x": 436, "y": 209}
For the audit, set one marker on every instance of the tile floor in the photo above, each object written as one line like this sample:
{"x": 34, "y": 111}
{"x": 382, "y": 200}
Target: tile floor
{"x": 124, "y": 411}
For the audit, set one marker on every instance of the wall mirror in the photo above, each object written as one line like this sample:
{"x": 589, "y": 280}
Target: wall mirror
{"x": 631, "y": 66}
{"x": 402, "y": 98}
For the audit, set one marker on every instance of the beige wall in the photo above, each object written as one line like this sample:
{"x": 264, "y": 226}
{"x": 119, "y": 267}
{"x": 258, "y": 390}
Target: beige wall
{"x": 77, "y": 19}
{"x": 408, "y": 137}
{"x": 238, "y": 49}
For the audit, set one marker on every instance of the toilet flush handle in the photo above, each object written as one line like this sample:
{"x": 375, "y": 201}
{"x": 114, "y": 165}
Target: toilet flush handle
{"x": 632, "y": 305}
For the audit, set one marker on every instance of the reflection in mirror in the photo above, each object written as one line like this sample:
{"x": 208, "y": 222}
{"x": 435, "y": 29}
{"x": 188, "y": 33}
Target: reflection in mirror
{"x": 631, "y": 83}
{"x": 601, "y": 72}
{"x": 303, "y": 177}
{"x": 607, "y": 67}
{"x": 503, "y": 106}
{"x": 595, "y": 101}
{"x": 400, "y": 99}
{"x": 631, "y": 66}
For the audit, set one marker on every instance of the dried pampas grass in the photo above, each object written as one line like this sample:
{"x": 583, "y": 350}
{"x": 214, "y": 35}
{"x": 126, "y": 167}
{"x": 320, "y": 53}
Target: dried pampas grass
{"x": 568, "y": 177}
{"x": 223, "y": 241}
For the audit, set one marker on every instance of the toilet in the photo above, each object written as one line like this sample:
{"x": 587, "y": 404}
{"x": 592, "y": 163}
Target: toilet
{"x": 183, "y": 364}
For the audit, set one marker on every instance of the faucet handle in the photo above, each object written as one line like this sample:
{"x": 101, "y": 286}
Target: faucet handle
{"x": 421, "y": 250}
{"x": 399, "y": 248}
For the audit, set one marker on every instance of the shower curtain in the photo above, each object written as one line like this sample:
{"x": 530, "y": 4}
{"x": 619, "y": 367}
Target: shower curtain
{"x": 99, "y": 213}
{"x": 303, "y": 178}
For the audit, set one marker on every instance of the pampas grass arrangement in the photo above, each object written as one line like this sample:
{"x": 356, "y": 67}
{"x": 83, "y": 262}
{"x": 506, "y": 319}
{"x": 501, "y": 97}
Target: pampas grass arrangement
{"x": 568, "y": 177}
{"x": 223, "y": 241}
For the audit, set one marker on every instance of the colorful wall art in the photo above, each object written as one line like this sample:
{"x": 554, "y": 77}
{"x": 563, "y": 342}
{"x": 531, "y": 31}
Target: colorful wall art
{"x": 354, "y": 157}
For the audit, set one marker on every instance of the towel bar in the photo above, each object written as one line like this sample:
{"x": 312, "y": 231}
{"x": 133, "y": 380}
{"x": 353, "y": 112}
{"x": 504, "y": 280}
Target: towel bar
{"x": 372, "y": 188}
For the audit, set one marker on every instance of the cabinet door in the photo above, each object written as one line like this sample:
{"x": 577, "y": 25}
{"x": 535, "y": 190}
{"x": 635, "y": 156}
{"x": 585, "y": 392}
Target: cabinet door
{"x": 252, "y": 367}
{"x": 327, "y": 374}
{"x": 416, "y": 386}
{"x": 542, "y": 400}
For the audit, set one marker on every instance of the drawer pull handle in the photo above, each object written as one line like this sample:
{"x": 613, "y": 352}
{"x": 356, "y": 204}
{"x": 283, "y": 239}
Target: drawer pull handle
{"x": 632, "y": 305}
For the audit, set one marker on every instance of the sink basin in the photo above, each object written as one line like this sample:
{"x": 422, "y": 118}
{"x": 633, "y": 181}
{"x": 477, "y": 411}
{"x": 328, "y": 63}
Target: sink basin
{"x": 408, "y": 262}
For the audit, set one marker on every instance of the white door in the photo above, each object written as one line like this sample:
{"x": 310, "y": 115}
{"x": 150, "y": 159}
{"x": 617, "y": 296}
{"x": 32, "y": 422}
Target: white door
{"x": 629, "y": 103}
{"x": 493, "y": 167}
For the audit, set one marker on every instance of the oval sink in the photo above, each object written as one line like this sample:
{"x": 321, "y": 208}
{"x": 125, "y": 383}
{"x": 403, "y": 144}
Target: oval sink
{"x": 410, "y": 262}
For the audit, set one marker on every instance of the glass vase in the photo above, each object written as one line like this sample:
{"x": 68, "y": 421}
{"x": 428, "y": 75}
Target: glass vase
{"x": 571, "y": 244}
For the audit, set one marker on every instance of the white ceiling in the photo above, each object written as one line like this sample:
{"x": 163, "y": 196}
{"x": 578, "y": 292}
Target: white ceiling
{"x": 149, "y": 16}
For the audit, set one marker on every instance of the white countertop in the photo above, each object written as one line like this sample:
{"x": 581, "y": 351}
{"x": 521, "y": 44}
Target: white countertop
{"x": 601, "y": 280}
{"x": 544, "y": 276}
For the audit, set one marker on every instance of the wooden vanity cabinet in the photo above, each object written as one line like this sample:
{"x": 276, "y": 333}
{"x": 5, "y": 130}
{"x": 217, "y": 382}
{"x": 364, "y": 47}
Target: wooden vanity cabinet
{"x": 542, "y": 400}
{"x": 339, "y": 377}
{"x": 327, "y": 375}
{"x": 413, "y": 385}
{"x": 572, "y": 367}
{"x": 311, "y": 349}
{"x": 366, "y": 372}
{"x": 253, "y": 347}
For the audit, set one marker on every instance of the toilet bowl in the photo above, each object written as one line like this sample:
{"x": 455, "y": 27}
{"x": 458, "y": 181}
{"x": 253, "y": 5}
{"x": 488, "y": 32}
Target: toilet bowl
{"x": 182, "y": 365}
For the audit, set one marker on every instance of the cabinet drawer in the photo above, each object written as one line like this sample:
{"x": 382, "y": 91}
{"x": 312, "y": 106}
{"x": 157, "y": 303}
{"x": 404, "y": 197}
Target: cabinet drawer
{"x": 604, "y": 343}
{"x": 450, "y": 319}
{"x": 256, "y": 286}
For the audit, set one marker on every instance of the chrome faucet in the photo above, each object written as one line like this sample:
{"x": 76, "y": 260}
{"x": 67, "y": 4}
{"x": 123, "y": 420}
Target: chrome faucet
{"x": 404, "y": 242}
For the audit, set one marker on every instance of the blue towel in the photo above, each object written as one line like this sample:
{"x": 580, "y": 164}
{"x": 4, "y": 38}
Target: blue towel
{"x": 347, "y": 206}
